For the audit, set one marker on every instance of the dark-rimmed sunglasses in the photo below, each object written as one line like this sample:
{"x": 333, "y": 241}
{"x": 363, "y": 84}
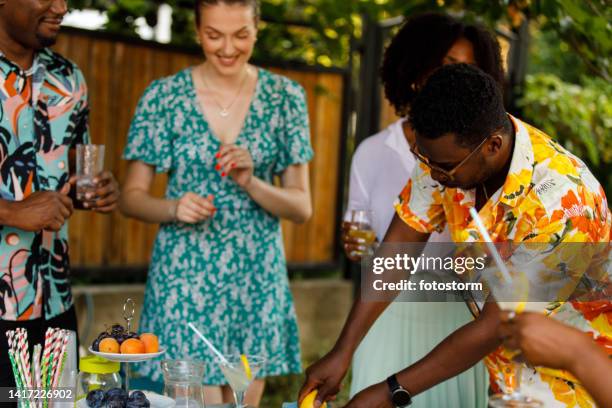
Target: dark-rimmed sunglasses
{"x": 447, "y": 174}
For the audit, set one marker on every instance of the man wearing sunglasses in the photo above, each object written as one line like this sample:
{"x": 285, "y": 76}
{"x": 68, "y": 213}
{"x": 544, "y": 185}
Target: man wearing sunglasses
{"x": 526, "y": 188}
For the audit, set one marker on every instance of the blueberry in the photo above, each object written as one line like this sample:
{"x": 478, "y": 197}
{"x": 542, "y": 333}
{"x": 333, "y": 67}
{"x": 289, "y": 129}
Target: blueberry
{"x": 138, "y": 400}
{"x": 117, "y": 393}
{"x": 95, "y": 399}
{"x": 115, "y": 402}
{"x": 138, "y": 395}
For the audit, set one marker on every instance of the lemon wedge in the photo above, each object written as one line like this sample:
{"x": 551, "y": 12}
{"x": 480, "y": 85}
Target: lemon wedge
{"x": 247, "y": 367}
{"x": 308, "y": 401}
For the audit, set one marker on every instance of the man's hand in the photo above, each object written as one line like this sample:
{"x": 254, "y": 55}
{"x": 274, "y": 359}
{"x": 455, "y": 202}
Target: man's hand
{"x": 538, "y": 338}
{"x": 42, "y": 210}
{"x": 375, "y": 396}
{"x": 106, "y": 195}
{"x": 325, "y": 376}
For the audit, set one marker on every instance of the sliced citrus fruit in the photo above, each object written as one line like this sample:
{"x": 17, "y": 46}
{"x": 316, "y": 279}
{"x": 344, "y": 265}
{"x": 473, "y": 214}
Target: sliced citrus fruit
{"x": 247, "y": 367}
{"x": 308, "y": 401}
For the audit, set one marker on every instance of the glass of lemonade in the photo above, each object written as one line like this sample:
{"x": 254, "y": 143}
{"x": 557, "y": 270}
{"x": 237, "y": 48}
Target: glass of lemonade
{"x": 514, "y": 397}
{"x": 240, "y": 370}
{"x": 362, "y": 221}
{"x": 89, "y": 164}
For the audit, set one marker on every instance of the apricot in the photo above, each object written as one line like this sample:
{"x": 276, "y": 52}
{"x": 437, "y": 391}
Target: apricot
{"x": 132, "y": 346}
{"x": 109, "y": 345}
{"x": 150, "y": 341}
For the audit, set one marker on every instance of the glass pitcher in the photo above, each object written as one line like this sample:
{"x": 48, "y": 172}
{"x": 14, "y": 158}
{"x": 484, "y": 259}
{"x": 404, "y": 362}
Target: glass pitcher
{"x": 183, "y": 382}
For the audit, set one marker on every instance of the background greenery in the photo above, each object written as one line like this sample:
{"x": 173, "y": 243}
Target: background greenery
{"x": 567, "y": 90}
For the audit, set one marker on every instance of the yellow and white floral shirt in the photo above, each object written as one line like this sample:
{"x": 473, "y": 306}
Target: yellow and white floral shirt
{"x": 549, "y": 197}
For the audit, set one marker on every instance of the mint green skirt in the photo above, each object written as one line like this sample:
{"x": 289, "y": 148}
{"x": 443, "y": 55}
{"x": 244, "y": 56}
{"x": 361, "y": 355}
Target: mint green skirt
{"x": 404, "y": 334}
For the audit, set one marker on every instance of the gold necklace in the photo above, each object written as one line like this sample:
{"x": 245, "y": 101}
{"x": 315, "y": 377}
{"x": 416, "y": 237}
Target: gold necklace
{"x": 224, "y": 111}
{"x": 484, "y": 190}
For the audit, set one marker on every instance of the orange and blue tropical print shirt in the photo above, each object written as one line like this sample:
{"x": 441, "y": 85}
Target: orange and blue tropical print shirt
{"x": 549, "y": 197}
{"x": 44, "y": 112}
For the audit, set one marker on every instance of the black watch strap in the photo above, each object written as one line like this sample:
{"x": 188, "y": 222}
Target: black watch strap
{"x": 400, "y": 397}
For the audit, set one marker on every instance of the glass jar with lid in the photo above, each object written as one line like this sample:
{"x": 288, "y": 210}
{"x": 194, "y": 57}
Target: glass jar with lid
{"x": 97, "y": 373}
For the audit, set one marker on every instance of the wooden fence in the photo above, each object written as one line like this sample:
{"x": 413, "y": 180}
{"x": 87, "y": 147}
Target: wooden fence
{"x": 117, "y": 72}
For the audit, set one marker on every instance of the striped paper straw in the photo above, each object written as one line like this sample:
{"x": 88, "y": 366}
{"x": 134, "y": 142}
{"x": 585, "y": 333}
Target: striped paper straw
{"x": 36, "y": 364}
{"x": 57, "y": 345}
{"x": 15, "y": 348}
{"x": 25, "y": 355}
{"x": 46, "y": 357}
{"x": 60, "y": 358}
{"x": 10, "y": 335}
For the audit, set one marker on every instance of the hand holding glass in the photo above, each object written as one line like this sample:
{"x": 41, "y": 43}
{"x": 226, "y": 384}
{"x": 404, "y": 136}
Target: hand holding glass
{"x": 89, "y": 164}
{"x": 361, "y": 220}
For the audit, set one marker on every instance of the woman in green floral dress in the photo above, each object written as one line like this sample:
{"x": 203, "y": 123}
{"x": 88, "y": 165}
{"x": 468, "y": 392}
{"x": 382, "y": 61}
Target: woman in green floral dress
{"x": 221, "y": 130}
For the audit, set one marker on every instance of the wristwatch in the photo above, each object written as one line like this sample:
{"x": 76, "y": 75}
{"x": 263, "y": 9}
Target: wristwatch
{"x": 400, "y": 397}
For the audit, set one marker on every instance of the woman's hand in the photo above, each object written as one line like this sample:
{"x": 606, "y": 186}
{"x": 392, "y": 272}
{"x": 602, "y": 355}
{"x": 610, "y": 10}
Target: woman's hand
{"x": 192, "y": 208}
{"x": 236, "y": 162}
{"x": 354, "y": 247}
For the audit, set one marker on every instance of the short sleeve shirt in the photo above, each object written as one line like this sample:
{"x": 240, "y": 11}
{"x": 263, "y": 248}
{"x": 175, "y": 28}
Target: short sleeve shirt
{"x": 43, "y": 114}
{"x": 549, "y": 197}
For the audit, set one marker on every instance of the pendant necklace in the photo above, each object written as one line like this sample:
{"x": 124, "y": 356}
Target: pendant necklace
{"x": 224, "y": 110}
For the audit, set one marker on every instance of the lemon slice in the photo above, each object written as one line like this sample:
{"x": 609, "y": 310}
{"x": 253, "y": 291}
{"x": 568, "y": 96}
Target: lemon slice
{"x": 247, "y": 367}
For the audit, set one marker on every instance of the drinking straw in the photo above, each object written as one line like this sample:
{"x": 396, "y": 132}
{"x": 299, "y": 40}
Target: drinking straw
{"x": 63, "y": 341}
{"x": 46, "y": 356}
{"x": 46, "y": 361}
{"x": 22, "y": 338}
{"x": 14, "y": 339}
{"x": 57, "y": 345}
{"x": 489, "y": 243}
{"x": 10, "y": 336}
{"x": 18, "y": 378}
{"x": 36, "y": 364}
{"x": 209, "y": 344}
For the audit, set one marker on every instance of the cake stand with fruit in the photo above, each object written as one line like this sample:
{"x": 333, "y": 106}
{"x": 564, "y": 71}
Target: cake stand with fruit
{"x": 125, "y": 346}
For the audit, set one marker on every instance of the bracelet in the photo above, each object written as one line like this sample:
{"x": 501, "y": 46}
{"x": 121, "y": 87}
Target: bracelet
{"x": 172, "y": 210}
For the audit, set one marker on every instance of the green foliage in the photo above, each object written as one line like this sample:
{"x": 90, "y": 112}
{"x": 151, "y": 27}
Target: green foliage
{"x": 578, "y": 116}
{"x": 323, "y": 31}
{"x": 583, "y": 27}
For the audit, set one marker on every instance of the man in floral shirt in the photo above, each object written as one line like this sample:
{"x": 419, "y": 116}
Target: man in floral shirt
{"x": 43, "y": 116}
{"x": 527, "y": 189}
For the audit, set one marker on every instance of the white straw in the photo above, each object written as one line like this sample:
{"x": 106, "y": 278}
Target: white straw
{"x": 208, "y": 343}
{"x": 489, "y": 243}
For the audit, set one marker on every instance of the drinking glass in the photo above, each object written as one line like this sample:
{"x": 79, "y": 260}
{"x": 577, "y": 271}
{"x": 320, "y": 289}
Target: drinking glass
{"x": 362, "y": 220}
{"x": 513, "y": 397}
{"x": 239, "y": 371}
{"x": 183, "y": 382}
{"x": 89, "y": 164}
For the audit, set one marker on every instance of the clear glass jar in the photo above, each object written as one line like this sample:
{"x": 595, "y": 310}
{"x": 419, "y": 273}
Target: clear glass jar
{"x": 183, "y": 382}
{"x": 96, "y": 373}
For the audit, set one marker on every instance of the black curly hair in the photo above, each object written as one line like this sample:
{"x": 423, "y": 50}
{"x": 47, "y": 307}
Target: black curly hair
{"x": 460, "y": 99}
{"x": 420, "y": 46}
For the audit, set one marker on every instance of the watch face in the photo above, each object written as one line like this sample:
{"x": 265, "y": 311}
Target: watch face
{"x": 401, "y": 398}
